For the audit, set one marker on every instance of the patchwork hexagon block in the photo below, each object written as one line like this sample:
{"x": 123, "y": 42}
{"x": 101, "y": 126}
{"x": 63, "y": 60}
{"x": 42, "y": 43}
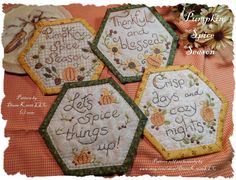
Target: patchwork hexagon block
{"x": 93, "y": 128}
{"x": 185, "y": 111}
{"x": 59, "y": 52}
{"x": 132, "y": 38}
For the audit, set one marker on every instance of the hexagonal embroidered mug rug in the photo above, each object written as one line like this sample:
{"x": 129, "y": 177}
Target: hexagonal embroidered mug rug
{"x": 59, "y": 52}
{"x": 93, "y": 128}
{"x": 132, "y": 38}
{"x": 185, "y": 111}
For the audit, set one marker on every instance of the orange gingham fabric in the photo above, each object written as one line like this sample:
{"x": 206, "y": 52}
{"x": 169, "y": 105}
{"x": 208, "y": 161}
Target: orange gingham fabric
{"x": 28, "y": 154}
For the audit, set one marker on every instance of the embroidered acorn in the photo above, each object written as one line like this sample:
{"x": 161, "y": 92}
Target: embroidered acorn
{"x": 84, "y": 157}
{"x": 154, "y": 60}
{"x": 106, "y": 98}
{"x": 69, "y": 74}
{"x": 38, "y": 66}
{"x": 207, "y": 113}
{"x": 57, "y": 81}
{"x": 80, "y": 78}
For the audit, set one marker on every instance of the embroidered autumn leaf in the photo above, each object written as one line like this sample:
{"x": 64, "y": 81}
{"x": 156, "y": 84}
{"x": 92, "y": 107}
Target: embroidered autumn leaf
{"x": 47, "y": 75}
{"x": 48, "y": 69}
{"x": 86, "y": 50}
{"x": 163, "y": 38}
{"x": 185, "y": 141}
{"x": 146, "y": 112}
{"x": 54, "y": 69}
{"x": 167, "y": 122}
{"x": 199, "y": 138}
{"x": 192, "y": 81}
{"x": 35, "y": 56}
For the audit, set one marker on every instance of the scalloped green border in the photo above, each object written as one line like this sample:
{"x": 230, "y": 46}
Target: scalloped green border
{"x": 109, "y": 64}
{"x": 121, "y": 169}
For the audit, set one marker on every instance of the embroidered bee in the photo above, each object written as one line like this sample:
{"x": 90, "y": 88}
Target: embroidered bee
{"x": 106, "y": 97}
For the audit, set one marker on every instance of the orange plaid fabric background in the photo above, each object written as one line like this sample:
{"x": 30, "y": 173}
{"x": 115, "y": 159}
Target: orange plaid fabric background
{"x": 28, "y": 154}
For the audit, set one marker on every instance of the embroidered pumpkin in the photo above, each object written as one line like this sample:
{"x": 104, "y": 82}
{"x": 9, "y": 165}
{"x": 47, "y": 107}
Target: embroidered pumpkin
{"x": 69, "y": 74}
{"x": 207, "y": 113}
{"x": 154, "y": 60}
{"x": 158, "y": 119}
{"x": 106, "y": 98}
{"x": 84, "y": 157}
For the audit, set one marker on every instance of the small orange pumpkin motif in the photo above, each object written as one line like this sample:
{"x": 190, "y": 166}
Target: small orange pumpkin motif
{"x": 158, "y": 119}
{"x": 106, "y": 97}
{"x": 69, "y": 74}
{"x": 154, "y": 60}
{"x": 207, "y": 113}
{"x": 84, "y": 157}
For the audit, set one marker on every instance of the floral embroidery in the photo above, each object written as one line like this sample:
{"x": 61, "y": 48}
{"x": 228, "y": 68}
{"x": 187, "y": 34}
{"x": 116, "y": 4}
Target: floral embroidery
{"x": 150, "y": 57}
{"x": 131, "y": 65}
{"x": 147, "y": 108}
{"x": 127, "y": 121}
{"x": 158, "y": 50}
{"x": 84, "y": 71}
{"x": 58, "y": 68}
{"x": 50, "y": 73}
{"x": 192, "y": 139}
{"x": 107, "y": 97}
{"x": 114, "y": 49}
{"x": 66, "y": 118}
{"x": 192, "y": 80}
